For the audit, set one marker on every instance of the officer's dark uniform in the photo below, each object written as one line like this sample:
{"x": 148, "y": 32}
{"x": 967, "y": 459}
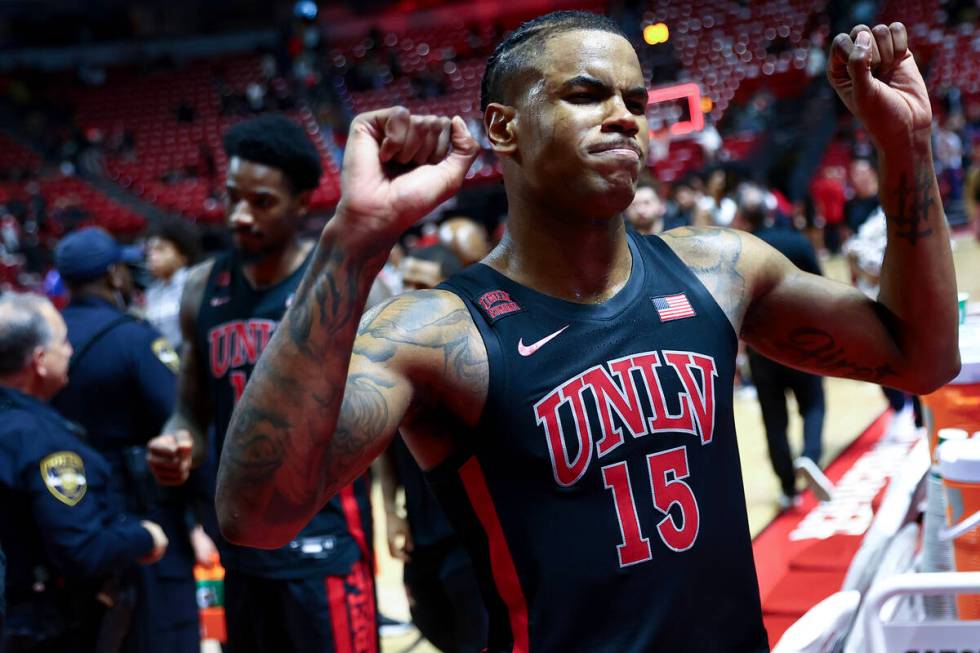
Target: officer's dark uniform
{"x": 62, "y": 538}
{"x": 121, "y": 389}
{"x": 3, "y": 595}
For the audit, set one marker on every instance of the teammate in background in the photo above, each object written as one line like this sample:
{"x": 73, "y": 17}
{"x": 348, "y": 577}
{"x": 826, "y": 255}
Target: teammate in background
{"x": 773, "y": 380}
{"x": 66, "y": 539}
{"x": 171, "y": 248}
{"x": 443, "y": 593}
{"x": 646, "y": 212}
{"x": 121, "y": 390}
{"x": 571, "y": 397}
{"x": 315, "y": 591}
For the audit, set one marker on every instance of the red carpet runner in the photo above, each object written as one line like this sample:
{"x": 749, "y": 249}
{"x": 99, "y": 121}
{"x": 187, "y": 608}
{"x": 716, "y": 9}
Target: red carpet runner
{"x": 802, "y": 556}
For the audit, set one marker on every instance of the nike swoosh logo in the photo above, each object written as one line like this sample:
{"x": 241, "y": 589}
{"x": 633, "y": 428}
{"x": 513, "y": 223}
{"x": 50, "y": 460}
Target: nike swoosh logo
{"x": 527, "y": 350}
{"x": 218, "y": 301}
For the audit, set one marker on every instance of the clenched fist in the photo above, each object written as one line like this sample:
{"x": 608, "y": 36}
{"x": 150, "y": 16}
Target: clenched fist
{"x": 169, "y": 457}
{"x": 876, "y": 77}
{"x": 398, "y": 167}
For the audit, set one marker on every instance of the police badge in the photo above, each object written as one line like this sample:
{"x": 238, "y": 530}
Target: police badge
{"x": 63, "y": 474}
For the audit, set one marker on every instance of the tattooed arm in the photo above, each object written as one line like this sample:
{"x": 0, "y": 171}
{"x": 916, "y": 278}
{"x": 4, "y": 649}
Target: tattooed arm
{"x": 313, "y": 416}
{"x": 184, "y": 440}
{"x": 908, "y": 337}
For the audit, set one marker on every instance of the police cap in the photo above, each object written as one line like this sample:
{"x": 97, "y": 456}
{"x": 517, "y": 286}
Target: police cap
{"x": 88, "y": 253}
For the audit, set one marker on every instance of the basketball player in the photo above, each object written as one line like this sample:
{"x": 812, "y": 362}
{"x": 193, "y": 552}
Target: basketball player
{"x": 570, "y": 398}
{"x": 315, "y": 593}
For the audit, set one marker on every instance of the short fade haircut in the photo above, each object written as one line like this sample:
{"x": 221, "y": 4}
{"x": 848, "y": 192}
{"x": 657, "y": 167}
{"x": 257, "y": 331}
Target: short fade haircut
{"x": 22, "y": 329}
{"x": 276, "y": 141}
{"x": 514, "y": 53}
{"x": 449, "y": 263}
{"x": 181, "y": 233}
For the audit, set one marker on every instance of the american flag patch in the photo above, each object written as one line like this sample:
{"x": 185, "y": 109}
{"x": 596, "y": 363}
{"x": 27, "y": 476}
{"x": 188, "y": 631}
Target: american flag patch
{"x": 673, "y": 307}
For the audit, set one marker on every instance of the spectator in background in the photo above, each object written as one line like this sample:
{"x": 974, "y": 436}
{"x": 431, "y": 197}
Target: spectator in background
{"x": 466, "y": 238}
{"x": 255, "y": 94}
{"x": 864, "y": 201}
{"x": 828, "y": 202}
{"x": 972, "y": 188}
{"x": 716, "y": 207}
{"x": 773, "y": 380}
{"x": 949, "y": 156}
{"x": 683, "y": 205}
{"x": 443, "y": 593}
{"x": 171, "y": 248}
{"x": 646, "y": 213}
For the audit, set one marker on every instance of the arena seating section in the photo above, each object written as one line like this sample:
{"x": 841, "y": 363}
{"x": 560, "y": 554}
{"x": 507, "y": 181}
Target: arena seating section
{"x": 951, "y": 53}
{"x": 730, "y": 48}
{"x": 59, "y": 191}
{"x": 146, "y": 104}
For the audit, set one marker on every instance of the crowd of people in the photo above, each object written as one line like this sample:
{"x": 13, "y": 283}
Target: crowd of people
{"x": 113, "y": 423}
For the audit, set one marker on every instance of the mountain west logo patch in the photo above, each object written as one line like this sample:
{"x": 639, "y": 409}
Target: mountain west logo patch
{"x": 496, "y": 304}
{"x": 63, "y": 474}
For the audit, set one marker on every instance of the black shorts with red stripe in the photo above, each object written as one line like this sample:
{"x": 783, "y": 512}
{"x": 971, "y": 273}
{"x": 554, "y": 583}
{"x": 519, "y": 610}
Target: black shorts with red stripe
{"x": 332, "y": 614}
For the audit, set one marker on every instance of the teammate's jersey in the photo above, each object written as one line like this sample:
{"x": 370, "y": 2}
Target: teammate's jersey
{"x": 234, "y": 324}
{"x": 600, "y": 496}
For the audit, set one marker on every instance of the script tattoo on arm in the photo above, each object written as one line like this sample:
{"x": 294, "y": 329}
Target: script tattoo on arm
{"x": 818, "y": 350}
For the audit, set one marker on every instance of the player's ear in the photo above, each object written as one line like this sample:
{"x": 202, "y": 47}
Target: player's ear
{"x": 302, "y": 203}
{"x": 500, "y": 122}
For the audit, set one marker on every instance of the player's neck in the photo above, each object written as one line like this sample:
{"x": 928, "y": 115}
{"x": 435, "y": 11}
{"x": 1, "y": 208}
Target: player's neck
{"x": 585, "y": 261}
{"x": 276, "y": 266}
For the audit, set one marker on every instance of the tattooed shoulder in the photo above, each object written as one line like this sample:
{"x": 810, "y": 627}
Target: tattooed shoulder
{"x": 714, "y": 255}
{"x": 431, "y": 330}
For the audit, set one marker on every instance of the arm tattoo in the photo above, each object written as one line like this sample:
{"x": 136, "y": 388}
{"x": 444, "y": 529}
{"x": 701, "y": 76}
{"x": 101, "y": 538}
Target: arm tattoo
{"x": 363, "y": 417}
{"x": 333, "y": 291}
{"x": 814, "y": 348}
{"x": 259, "y": 453}
{"x": 913, "y": 199}
{"x": 713, "y": 254}
{"x": 410, "y": 321}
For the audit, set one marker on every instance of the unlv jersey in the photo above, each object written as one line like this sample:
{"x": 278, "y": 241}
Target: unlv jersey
{"x": 600, "y": 496}
{"x": 234, "y": 324}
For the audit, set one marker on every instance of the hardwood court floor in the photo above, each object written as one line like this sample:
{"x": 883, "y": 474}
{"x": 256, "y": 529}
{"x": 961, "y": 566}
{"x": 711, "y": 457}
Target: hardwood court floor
{"x": 851, "y": 406}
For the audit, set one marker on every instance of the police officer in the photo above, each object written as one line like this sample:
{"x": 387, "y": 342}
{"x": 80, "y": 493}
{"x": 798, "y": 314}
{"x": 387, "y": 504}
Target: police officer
{"x": 121, "y": 391}
{"x": 63, "y": 539}
{"x": 3, "y": 595}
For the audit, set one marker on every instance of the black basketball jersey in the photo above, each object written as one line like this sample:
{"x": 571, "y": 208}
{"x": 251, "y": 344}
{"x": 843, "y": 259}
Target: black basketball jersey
{"x": 600, "y": 496}
{"x": 234, "y": 324}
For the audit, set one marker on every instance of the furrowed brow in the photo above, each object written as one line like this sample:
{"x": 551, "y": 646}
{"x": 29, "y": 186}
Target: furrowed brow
{"x": 584, "y": 80}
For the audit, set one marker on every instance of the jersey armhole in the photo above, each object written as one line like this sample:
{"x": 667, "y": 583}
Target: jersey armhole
{"x": 496, "y": 382}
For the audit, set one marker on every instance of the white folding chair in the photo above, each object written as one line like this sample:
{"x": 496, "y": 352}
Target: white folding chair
{"x": 890, "y": 632}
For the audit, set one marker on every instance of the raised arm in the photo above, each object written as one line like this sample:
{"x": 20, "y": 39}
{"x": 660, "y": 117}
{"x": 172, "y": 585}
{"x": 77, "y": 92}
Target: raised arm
{"x": 184, "y": 440}
{"x": 311, "y": 419}
{"x": 908, "y": 337}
